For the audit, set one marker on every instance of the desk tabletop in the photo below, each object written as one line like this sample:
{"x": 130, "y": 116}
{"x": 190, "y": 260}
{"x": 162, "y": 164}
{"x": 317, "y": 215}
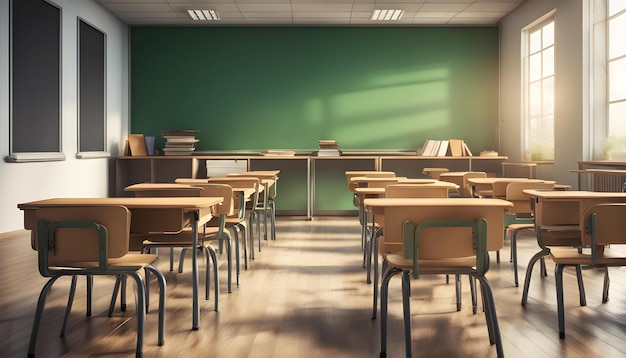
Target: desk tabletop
{"x": 259, "y": 173}
{"x": 452, "y": 174}
{"x": 572, "y": 194}
{"x": 491, "y": 180}
{"x": 188, "y": 203}
{"x": 365, "y": 179}
{"x": 381, "y": 191}
{"x": 351, "y": 173}
{"x": 447, "y": 202}
{"x": 152, "y": 186}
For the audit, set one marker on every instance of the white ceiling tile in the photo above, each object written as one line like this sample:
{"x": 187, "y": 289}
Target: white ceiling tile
{"x": 483, "y": 14}
{"x": 277, "y": 7}
{"x": 265, "y": 14}
{"x": 342, "y": 6}
{"x": 436, "y": 14}
{"x": 444, "y": 7}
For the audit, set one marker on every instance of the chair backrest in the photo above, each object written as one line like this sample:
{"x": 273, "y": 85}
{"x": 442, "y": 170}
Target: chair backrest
{"x": 499, "y": 186}
{"x": 442, "y": 242}
{"x": 412, "y": 191}
{"x": 382, "y": 182}
{"x": 521, "y": 201}
{"x": 240, "y": 182}
{"x": 466, "y": 189}
{"x": 605, "y": 224}
{"x": 78, "y": 232}
{"x": 152, "y": 190}
{"x": 470, "y": 239}
{"x": 214, "y": 190}
{"x": 261, "y": 175}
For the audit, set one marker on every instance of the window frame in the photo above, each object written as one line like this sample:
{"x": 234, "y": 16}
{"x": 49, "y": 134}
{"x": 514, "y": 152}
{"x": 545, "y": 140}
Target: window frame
{"x": 529, "y": 152}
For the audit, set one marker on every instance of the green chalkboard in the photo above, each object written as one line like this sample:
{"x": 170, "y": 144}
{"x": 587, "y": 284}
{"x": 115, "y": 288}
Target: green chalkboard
{"x": 286, "y": 88}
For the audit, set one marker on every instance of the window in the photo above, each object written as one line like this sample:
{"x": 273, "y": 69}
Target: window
{"x": 539, "y": 91}
{"x": 616, "y": 78}
{"x": 35, "y": 77}
{"x": 91, "y": 91}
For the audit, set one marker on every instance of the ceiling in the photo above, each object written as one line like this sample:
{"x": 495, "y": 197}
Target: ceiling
{"x": 311, "y": 12}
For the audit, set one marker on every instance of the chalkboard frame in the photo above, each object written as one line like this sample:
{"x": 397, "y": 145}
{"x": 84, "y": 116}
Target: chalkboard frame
{"x": 92, "y": 91}
{"x": 35, "y": 81}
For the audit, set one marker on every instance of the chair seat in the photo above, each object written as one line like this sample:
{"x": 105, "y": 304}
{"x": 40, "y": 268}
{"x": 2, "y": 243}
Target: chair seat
{"x": 561, "y": 238}
{"x": 463, "y": 264}
{"x": 518, "y": 227}
{"x": 573, "y": 257}
{"x": 130, "y": 262}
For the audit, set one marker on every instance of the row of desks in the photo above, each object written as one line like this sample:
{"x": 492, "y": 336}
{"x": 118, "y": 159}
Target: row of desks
{"x": 156, "y": 215}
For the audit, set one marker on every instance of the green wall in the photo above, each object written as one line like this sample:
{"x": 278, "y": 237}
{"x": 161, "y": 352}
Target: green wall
{"x": 285, "y": 88}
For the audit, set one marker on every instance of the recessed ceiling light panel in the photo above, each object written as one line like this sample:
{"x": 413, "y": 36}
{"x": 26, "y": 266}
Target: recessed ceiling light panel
{"x": 203, "y": 15}
{"x": 386, "y": 15}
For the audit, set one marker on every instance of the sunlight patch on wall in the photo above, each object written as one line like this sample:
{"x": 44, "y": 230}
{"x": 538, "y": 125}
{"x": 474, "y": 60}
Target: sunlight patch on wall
{"x": 399, "y": 130}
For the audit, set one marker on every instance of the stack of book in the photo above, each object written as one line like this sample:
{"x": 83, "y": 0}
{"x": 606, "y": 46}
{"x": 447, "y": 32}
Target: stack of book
{"x": 179, "y": 142}
{"x": 328, "y": 148}
{"x": 442, "y": 148}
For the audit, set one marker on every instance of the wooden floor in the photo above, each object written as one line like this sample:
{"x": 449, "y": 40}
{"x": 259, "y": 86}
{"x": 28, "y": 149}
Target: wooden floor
{"x": 305, "y": 296}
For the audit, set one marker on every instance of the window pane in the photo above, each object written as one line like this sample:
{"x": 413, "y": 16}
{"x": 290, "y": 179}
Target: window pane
{"x": 617, "y": 80}
{"x": 548, "y": 62}
{"x": 616, "y": 6}
{"x": 617, "y": 29}
{"x": 534, "y": 67}
{"x": 548, "y": 35}
{"x": 534, "y": 99}
{"x": 617, "y": 119}
{"x": 548, "y": 96}
{"x": 534, "y": 41}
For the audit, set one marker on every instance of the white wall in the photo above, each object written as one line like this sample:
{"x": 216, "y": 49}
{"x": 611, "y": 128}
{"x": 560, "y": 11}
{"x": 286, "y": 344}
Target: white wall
{"x": 571, "y": 112}
{"x": 20, "y": 182}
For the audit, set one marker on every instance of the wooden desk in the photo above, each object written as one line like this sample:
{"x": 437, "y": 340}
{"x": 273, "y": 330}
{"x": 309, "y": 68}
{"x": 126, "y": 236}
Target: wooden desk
{"x": 562, "y": 212}
{"x": 365, "y": 193}
{"x": 486, "y": 184}
{"x": 397, "y": 211}
{"x": 268, "y": 179}
{"x": 566, "y": 208}
{"x": 147, "y": 215}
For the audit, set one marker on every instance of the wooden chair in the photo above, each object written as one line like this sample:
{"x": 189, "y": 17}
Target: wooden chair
{"x": 242, "y": 220}
{"x": 451, "y": 236}
{"x": 466, "y": 189}
{"x": 602, "y": 238}
{"x": 376, "y": 246}
{"x": 266, "y": 201}
{"x": 90, "y": 241}
{"x": 213, "y": 230}
{"x": 520, "y": 217}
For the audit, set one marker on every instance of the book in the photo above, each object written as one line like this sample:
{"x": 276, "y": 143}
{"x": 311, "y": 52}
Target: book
{"x": 443, "y": 148}
{"x": 137, "y": 145}
{"x": 328, "y": 148}
{"x": 426, "y": 147}
{"x": 456, "y": 147}
{"x": 429, "y": 148}
{"x": 180, "y": 139}
{"x": 467, "y": 150}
